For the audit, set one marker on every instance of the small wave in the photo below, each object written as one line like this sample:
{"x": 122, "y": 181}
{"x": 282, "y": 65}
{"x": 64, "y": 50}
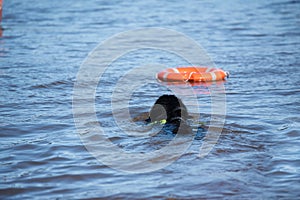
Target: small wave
{"x": 52, "y": 84}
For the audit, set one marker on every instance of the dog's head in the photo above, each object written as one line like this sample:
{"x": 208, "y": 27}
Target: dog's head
{"x": 170, "y": 109}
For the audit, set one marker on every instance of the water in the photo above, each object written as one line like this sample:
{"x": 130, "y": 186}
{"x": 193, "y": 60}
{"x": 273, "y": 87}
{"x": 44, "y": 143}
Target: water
{"x": 43, "y": 46}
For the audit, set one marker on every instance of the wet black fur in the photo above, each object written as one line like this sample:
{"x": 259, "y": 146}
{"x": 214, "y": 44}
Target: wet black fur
{"x": 172, "y": 109}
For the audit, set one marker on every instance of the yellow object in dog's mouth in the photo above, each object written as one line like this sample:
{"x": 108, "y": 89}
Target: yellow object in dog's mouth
{"x": 162, "y": 122}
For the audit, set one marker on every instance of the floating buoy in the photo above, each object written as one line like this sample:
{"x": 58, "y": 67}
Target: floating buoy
{"x": 192, "y": 74}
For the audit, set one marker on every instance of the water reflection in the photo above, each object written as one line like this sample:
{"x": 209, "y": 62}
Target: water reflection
{"x": 199, "y": 88}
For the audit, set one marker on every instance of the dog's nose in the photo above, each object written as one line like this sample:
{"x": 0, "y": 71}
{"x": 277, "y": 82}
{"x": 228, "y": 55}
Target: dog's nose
{"x": 148, "y": 120}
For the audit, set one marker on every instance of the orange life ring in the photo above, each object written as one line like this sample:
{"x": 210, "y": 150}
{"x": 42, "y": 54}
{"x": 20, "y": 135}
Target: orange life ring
{"x": 193, "y": 74}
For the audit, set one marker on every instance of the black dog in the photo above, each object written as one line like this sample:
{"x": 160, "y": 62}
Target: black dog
{"x": 171, "y": 110}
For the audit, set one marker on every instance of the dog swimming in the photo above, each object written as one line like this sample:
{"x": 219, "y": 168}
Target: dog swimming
{"x": 170, "y": 111}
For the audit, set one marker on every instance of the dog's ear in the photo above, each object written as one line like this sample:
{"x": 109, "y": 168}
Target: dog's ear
{"x": 157, "y": 113}
{"x": 180, "y": 112}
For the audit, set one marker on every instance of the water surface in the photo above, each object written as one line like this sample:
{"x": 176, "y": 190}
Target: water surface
{"x": 43, "y": 46}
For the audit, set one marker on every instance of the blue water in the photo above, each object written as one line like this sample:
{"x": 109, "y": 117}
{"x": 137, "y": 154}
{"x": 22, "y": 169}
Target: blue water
{"x": 42, "y": 47}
